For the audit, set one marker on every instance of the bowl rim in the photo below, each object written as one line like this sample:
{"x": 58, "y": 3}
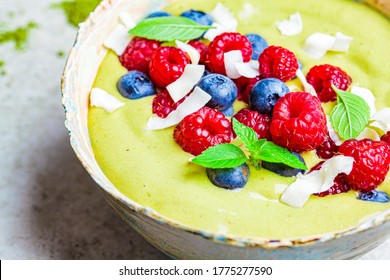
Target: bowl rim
{"x": 369, "y": 223}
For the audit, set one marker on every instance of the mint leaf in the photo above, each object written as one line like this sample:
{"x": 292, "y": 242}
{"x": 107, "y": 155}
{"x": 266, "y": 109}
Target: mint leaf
{"x": 246, "y": 134}
{"x": 221, "y": 156}
{"x": 270, "y": 152}
{"x": 169, "y": 29}
{"x": 351, "y": 114}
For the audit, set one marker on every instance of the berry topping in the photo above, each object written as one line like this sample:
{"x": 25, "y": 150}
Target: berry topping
{"x": 202, "y": 48}
{"x": 283, "y": 169}
{"x": 259, "y": 44}
{"x": 229, "y": 178}
{"x": 298, "y": 122}
{"x": 374, "y": 196}
{"x": 137, "y": 54}
{"x": 339, "y": 183}
{"x": 265, "y": 93}
{"x": 372, "y": 160}
{"x": 223, "y": 90}
{"x": 386, "y": 137}
{"x": 258, "y": 122}
{"x": 244, "y": 86}
{"x": 198, "y": 16}
{"x": 163, "y": 104}
{"x": 159, "y": 14}
{"x": 135, "y": 84}
{"x": 228, "y": 112}
{"x": 167, "y": 65}
{"x": 223, "y": 43}
{"x": 278, "y": 62}
{"x": 321, "y": 77}
{"x": 327, "y": 149}
{"x": 202, "y": 129}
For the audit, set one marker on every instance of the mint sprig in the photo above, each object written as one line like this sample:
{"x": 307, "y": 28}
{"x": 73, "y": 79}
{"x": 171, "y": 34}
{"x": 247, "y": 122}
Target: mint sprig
{"x": 221, "y": 156}
{"x": 351, "y": 114}
{"x": 229, "y": 155}
{"x": 169, "y": 29}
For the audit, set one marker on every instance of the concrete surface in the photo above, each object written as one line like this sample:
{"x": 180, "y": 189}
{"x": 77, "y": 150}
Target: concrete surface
{"x": 49, "y": 206}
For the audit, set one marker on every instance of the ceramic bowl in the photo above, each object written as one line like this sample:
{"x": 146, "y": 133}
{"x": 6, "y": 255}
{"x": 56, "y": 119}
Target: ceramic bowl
{"x": 175, "y": 239}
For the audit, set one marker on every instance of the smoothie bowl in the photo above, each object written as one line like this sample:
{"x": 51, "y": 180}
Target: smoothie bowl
{"x": 144, "y": 164}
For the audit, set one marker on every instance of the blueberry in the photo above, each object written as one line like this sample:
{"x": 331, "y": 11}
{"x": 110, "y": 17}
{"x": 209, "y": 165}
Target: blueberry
{"x": 282, "y": 169}
{"x": 198, "y": 16}
{"x": 158, "y": 14}
{"x": 223, "y": 91}
{"x": 135, "y": 84}
{"x": 374, "y": 196}
{"x": 229, "y": 178}
{"x": 265, "y": 93}
{"x": 228, "y": 112}
{"x": 258, "y": 44}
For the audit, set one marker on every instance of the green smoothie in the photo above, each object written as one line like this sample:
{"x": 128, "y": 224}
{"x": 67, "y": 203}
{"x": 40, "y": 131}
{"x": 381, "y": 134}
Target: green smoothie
{"x": 151, "y": 169}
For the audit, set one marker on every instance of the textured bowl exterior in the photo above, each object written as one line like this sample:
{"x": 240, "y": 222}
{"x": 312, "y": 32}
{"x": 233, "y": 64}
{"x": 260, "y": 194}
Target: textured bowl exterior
{"x": 174, "y": 239}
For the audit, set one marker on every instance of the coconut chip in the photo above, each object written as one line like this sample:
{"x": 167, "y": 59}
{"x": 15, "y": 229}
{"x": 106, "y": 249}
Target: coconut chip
{"x": 118, "y": 39}
{"x": 248, "y": 69}
{"x": 195, "y": 101}
{"x": 291, "y": 26}
{"x": 230, "y": 59}
{"x": 101, "y": 98}
{"x": 316, "y": 181}
{"x": 190, "y": 50}
{"x": 184, "y": 84}
{"x": 318, "y": 44}
{"x": 224, "y": 21}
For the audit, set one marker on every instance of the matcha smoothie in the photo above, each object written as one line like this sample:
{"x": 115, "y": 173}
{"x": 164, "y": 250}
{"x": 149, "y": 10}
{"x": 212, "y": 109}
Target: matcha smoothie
{"x": 150, "y": 168}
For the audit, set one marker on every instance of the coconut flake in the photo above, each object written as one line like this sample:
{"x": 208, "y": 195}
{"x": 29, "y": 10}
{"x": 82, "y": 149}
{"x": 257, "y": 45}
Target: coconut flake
{"x": 367, "y": 95}
{"x": 247, "y": 11}
{"x": 369, "y": 133}
{"x": 382, "y": 120}
{"x": 342, "y": 43}
{"x": 316, "y": 181}
{"x": 248, "y": 69}
{"x": 332, "y": 132}
{"x": 230, "y": 59}
{"x": 127, "y": 20}
{"x": 190, "y": 50}
{"x": 224, "y": 21}
{"x": 291, "y": 26}
{"x": 191, "y": 75}
{"x": 306, "y": 86}
{"x": 118, "y": 39}
{"x": 317, "y": 44}
{"x": 196, "y": 100}
{"x": 101, "y": 98}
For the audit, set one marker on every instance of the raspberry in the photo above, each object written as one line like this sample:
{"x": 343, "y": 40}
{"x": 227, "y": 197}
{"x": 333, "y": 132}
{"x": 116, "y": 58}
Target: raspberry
{"x": 321, "y": 77}
{"x": 259, "y": 122}
{"x": 372, "y": 160}
{"x": 202, "y": 48}
{"x": 386, "y": 137}
{"x": 340, "y": 184}
{"x": 163, "y": 104}
{"x": 223, "y": 43}
{"x": 201, "y": 130}
{"x": 327, "y": 149}
{"x": 167, "y": 65}
{"x": 278, "y": 62}
{"x": 137, "y": 54}
{"x": 298, "y": 122}
{"x": 244, "y": 86}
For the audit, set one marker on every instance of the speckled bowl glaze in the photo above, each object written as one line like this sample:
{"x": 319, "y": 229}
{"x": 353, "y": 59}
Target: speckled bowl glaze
{"x": 175, "y": 239}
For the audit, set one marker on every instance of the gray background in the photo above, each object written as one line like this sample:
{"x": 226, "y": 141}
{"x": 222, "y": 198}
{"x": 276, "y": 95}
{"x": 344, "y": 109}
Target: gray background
{"x": 49, "y": 206}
